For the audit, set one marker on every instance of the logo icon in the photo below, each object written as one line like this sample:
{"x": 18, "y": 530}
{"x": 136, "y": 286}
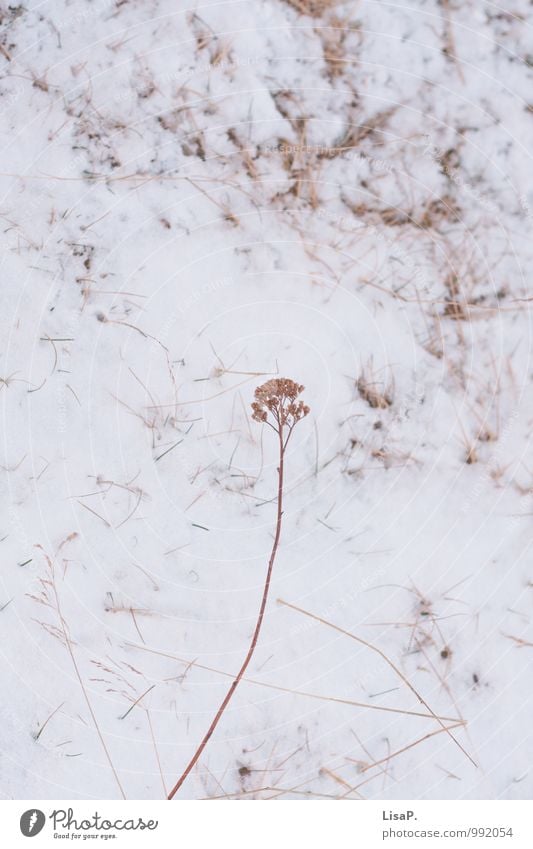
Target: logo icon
{"x": 32, "y": 822}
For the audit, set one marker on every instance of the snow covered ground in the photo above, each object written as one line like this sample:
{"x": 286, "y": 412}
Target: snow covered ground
{"x": 197, "y": 196}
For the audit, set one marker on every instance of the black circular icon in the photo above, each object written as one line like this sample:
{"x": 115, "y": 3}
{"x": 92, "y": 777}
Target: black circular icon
{"x": 32, "y": 822}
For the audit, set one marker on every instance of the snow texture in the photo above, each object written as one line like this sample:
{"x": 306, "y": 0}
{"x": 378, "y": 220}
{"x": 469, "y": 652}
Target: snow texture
{"x": 196, "y": 197}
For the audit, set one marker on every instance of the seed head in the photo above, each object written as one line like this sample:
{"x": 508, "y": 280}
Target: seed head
{"x": 279, "y": 398}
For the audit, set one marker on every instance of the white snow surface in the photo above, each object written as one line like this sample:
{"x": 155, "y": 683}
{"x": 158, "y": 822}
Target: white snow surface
{"x": 198, "y": 196}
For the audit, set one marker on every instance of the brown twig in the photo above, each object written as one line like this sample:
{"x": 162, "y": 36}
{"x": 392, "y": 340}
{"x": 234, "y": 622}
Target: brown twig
{"x": 368, "y": 706}
{"x": 388, "y": 661}
{"x": 406, "y": 748}
{"x": 276, "y": 399}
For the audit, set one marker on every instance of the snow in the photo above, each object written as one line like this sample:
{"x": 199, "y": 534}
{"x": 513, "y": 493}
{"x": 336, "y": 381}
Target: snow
{"x": 194, "y": 200}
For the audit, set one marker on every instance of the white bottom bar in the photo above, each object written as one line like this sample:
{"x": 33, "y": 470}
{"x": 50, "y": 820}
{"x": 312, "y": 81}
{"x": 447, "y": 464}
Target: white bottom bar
{"x": 307, "y": 825}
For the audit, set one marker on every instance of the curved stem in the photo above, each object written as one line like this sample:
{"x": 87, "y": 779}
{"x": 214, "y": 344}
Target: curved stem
{"x": 257, "y": 630}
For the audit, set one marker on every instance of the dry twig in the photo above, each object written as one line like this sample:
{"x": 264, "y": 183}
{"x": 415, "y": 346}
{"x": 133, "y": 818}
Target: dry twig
{"x": 275, "y": 405}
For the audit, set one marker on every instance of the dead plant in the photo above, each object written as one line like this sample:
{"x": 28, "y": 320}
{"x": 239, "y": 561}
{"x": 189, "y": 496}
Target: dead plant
{"x": 48, "y": 595}
{"x": 313, "y": 8}
{"x": 276, "y": 405}
{"x": 377, "y": 395}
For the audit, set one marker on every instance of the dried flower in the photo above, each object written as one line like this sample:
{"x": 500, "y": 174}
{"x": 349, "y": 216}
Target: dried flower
{"x": 279, "y": 398}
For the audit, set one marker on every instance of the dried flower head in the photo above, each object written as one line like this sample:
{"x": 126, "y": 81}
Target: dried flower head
{"x": 276, "y": 399}
{"x": 279, "y": 398}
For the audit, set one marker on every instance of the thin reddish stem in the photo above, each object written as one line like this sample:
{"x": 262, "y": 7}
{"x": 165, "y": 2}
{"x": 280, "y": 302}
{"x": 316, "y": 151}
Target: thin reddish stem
{"x": 235, "y": 683}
